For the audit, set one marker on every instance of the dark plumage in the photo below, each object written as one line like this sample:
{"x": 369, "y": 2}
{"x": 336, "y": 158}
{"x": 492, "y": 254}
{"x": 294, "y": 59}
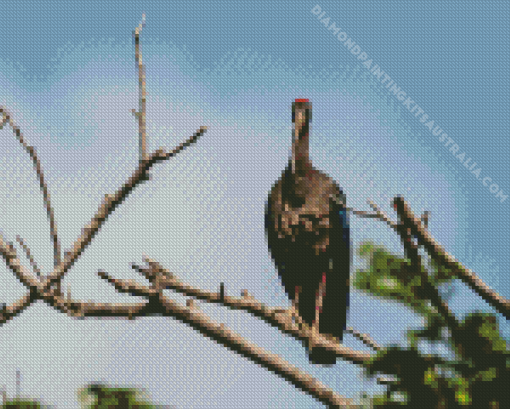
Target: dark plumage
{"x": 308, "y": 236}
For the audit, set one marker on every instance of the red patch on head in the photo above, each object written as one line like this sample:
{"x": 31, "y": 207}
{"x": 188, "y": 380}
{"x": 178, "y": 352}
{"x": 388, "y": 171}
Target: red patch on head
{"x": 301, "y": 100}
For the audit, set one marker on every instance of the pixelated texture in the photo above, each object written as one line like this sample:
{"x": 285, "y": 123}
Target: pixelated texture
{"x": 308, "y": 237}
{"x": 68, "y": 76}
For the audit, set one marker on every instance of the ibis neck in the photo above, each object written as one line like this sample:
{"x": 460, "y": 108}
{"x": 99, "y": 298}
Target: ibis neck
{"x": 300, "y": 150}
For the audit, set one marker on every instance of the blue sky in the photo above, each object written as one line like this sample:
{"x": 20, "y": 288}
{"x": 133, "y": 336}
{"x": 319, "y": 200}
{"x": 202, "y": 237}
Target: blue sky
{"x": 68, "y": 76}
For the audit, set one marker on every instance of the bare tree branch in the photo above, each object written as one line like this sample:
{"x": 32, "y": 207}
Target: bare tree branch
{"x": 142, "y": 128}
{"x": 411, "y": 251}
{"x": 41, "y": 288}
{"x": 9, "y": 311}
{"x": 274, "y": 316}
{"x": 161, "y": 279}
{"x": 40, "y": 175}
{"x": 4, "y": 120}
{"x": 439, "y": 254}
{"x": 109, "y": 204}
{"x": 426, "y": 289}
{"x": 34, "y": 285}
{"x": 159, "y": 304}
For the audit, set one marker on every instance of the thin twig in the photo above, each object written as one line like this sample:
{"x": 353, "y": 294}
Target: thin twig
{"x": 4, "y": 121}
{"x": 362, "y": 213}
{"x": 142, "y": 98}
{"x": 222, "y": 292}
{"x": 40, "y": 175}
{"x": 381, "y": 215}
{"x": 29, "y": 256}
{"x": 365, "y": 338}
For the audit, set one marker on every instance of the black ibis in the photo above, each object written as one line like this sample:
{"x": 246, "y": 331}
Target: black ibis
{"x": 307, "y": 231}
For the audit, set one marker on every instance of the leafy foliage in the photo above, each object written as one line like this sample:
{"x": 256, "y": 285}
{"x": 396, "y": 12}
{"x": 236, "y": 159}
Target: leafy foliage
{"x": 479, "y": 373}
{"x": 22, "y": 404}
{"x": 105, "y": 397}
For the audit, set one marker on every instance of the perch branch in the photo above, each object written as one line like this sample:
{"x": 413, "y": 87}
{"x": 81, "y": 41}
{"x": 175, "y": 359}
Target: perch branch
{"x": 162, "y": 279}
{"x": 249, "y": 304}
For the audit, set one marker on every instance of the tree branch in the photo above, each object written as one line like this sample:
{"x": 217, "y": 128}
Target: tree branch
{"x": 40, "y": 288}
{"x": 109, "y": 204}
{"x": 159, "y": 304}
{"x": 142, "y": 99}
{"x": 439, "y": 254}
{"x": 40, "y": 175}
{"x": 276, "y": 317}
{"x": 418, "y": 228}
{"x": 192, "y": 316}
{"x": 426, "y": 288}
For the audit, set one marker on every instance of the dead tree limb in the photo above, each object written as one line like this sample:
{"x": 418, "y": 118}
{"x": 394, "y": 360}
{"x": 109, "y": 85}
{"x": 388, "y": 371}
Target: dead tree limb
{"x": 6, "y": 118}
{"x": 442, "y": 257}
{"x": 277, "y": 317}
{"x": 418, "y": 228}
{"x": 162, "y": 279}
{"x": 142, "y": 128}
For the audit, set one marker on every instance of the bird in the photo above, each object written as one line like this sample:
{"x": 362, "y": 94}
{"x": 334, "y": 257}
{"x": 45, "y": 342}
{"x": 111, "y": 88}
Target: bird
{"x": 307, "y": 231}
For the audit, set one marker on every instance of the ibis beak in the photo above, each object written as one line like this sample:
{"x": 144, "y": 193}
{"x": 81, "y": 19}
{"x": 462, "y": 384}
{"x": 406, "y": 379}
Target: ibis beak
{"x": 300, "y": 122}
